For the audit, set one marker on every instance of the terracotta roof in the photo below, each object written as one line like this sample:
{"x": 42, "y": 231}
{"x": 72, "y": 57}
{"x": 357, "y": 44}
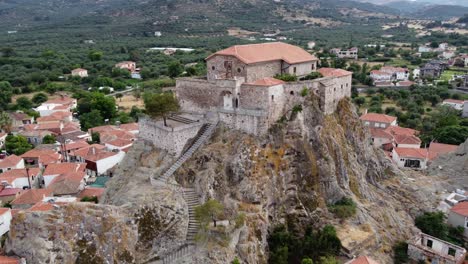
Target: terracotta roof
{"x": 83, "y": 151}
{"x": 419, "y": 153}
{"x": 373, "y": 117}
{"x": 10, "y": 191}
{"x": 393, "y": 69}
{"x": 460, "y": 208}
{"x": 78, "y": 70}
{"x": 91, "y": 192}
{"x": 266, "y": 82}
{"x": 19, "y": 116}
{"x": 332, "y": 72}
{"x": 32, "y": 196}
{"x": 68, "y": 183}
{"x": 273, "y": 51}
{"x": 44, "y": 206}
{"x": 129, "y": 127}
{"x": 120, "y": 142}
{"x": 3, "y": 135}
{"x": 76, "y": 145}
{"x": 405, "y": 83}
{"x": 115, "y": 134}
{"x": 380, "y": 133}
{"x": 8, "y": 260}
{"x": 440, "y": 148}
{"x": 100, "y": 129}
{"x": 61, "y": 107}
{"x": 94, "y": 153}
{"x": 407, "y": 139}
{"x": 377, "y": 72}
{"x": 56, "y": 116}
{"x": 454, "y": 101}
{"x": 70, "y": 127}
{"x": 45, "y": 156}
{"x": 398, "y": 130}
{"x": 363, "y": 260}
{"x": 62, "y": 168}
{"x": 10, "y": 161}
{"x": 11, "y": 175}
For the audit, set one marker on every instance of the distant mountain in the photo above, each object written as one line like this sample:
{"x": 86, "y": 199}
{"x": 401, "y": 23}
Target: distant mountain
{"x": 440, "y": 12}
{"x": 431, "y": 2}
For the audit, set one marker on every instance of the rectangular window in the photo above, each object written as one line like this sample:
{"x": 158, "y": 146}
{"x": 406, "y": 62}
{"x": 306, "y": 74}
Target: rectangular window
{"x": 366, "y": 123}
{"x": 452, "y": 251}
{"x": 429, "y": 243}
{"x": 377, "y": 124}
{"x": 294, "y": 70}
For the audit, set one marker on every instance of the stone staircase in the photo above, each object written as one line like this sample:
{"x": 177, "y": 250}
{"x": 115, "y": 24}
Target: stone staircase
{"x": 190, "y": 197}
{"x": 205, "y": 132}
{"x": 192, "y": 200}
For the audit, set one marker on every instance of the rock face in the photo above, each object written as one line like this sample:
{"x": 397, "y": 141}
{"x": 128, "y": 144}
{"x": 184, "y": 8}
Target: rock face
{"x": 76, "y": 233}
{"x": 132, "y": 224}
{"x": 293, "y": 173}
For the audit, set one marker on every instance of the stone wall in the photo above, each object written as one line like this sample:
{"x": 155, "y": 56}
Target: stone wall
{"x": 200, "y": 95}
{"x": 262, "y": 70}
{"x": 302, "y": 68}
{"x": 217, "y": 70}
{"x": 249, "y": 121}
{"x": 171, "y": 139}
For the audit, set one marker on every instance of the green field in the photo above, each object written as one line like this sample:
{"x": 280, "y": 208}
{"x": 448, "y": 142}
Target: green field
{"x": 447, "y": 75}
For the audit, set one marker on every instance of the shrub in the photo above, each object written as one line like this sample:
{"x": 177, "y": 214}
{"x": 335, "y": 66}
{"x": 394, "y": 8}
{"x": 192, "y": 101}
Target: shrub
{"x": 400, "y": 254}
{"x": 240, "y": 220}
{"x": 344, "y": 208}
{"x": 312, "y": 76}
{"x": 286, "y": 77}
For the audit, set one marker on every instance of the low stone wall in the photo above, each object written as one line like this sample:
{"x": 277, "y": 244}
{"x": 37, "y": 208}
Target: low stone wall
{"x": 249, "y": 121}
{"x": 171, "y": 139}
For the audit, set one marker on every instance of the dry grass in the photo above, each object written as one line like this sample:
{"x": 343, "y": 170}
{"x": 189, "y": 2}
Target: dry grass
{"x": 31, "y": 95}
{"x": 127, "y": 101}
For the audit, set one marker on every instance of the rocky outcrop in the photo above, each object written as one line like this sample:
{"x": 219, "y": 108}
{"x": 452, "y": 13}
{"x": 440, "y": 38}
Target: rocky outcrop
{"x": 134, "y": 222}
{"x": 290, "y": 176}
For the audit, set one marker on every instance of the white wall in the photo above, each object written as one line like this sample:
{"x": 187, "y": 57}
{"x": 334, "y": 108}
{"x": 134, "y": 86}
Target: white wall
{"x": 400, "y": 161}
{"x": 107, "y": 163}
{"x": 380, "y": 141}
{"x": 416, "y": 146}
{"x": 456, "y": 220}
{"x": 5, "y": 220}
{"x": 48, "y": 179}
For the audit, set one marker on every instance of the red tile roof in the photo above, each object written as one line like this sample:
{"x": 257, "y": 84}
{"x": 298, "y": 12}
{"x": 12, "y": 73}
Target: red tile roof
{"x": 412, "y": 153}
{"x": 83, "y": 151}
{"x": 377, "y": 72}
{"x": 44, "y": 206}
{"x": 273, "y": 51}
{"x": 460, "y": 208}
{"x": 266, "y": 82}
{"x": 76, "y": 145}
{"x": 8, "y": 260}
{"x": 68, "y": 183}
{"x": 363, "y": 260}
{"x": 100, "y": 129}
{"x": 4, "y": 210}
{"x": 380, "y": 133}
{"x": 10, "y": 192}
{"x": 381, "y": 118}
{"x": 332, "y": 72}
{"x": 407, "y": 139}
{"x": 61, "y": 100}
{"x": 393, "y": 69}
{"x": 32, "y": 196}
{"x": 3, "y": 135}
{"x": 62, "y": 168}
{"x": 129, "y": 127}
{"x": 45, "y": 156}
{"x": 398, "y": 130}
{"x": 120, "y": 142}
{"x": 92, "y": 192}
{"x": 115, "y": 134}
{"x": 94, "y": 154}
{"x": 440, "y": 148}
{"x": 10, "y": 161}
{"x": 12, "y": 175}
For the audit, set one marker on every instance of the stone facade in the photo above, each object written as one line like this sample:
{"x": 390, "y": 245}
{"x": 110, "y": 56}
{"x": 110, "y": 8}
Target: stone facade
{"x": 168, "y": 138}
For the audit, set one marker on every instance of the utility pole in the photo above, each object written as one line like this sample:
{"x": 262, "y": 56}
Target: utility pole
{"x": 29, "y": 180}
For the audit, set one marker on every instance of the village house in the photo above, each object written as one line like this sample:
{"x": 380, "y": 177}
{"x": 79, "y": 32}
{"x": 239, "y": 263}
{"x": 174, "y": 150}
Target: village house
{"x": 35, "y": 137}
{"x": 241, "y": 91}
{"x": 41, "y": 157}
{"x": 119, "y": 144}
{"x": 99, "y": 160}
{"x": 68, "y": 184}
{"x": 435, "y": 149}
{"x": 380, "y": 76}
{"x": 375, "y": 120}
{"x": 414, "y": 158}
{"x": 69, "y": 147}
{"x": 398, "y": 73}
{"x": 5, "y": 219}
{"x": 19, "y": 178}
{"x": 54, "y": 170}
{"x": 61, "y": 104}
{"x": 351, "y": 53}
{"x": 127, "y": 65}
{"x": 429, "y": 249}
{"x": 433, "y": 69}
{"x": 456, "y": 104}
{"x": 91, "y": 192}
{"x": 10, "y": 163}
{"x": 79, "y": 72}
{"x": 30, "y": 197}
{"x": 458, "y": 216}
{"x": 55, "y": 118}
{"x": 8, "y": 193}
{"x": 20, "y": 119}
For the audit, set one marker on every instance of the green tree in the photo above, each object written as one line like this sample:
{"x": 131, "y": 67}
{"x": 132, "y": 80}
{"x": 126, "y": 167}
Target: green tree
{"x": 17, "y": 145}
{"x": 91, "y": 119}
{"x": 328, "y": 260}
{"x": 95, "y": 55}
{"x": 119, "y": 96}
{"x": 49, "y": 139}
{"x": 400, "y": 255}
{"x": 160, "y": 104}
{"x": 235, "y": 261}
{"x": 7, "y": 52}
{"x": 97, "y": 101}
{"x": 39, "y": 98}
{"x": 432, "y": 223}
{"x": 96, "y": 137}
{"x": 451, "y": 134}
{"x": 6, "y": 91}
{"x": 5, "y": 122}
{"x": 208, "y": 212}
{"x": 307, "y": 261}
{"x": 360, "y": 100}
{"x": 24, "y": 103}
{"x": 174, "y": 69}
